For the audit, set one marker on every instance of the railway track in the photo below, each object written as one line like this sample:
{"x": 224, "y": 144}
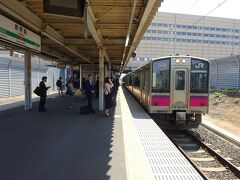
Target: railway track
{"x": 207, "y": 161}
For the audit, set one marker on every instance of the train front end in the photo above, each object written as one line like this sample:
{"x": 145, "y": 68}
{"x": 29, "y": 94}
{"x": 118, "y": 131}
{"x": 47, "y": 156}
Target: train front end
{"x": 180, "y": 91}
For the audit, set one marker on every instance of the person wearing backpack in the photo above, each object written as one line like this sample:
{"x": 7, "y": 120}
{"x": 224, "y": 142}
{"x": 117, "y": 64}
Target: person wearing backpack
{"x": 43, "y": 94}
{"x": 59, "y": 84}
{"x": 70, "y": 93}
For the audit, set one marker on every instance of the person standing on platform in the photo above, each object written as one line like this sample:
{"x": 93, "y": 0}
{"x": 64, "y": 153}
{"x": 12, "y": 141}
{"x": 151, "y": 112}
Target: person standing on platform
{"x": 89, "y": 89}
{"x": 59, "y": 84}
{"x": 108, "y": 94}
{"x": 97, "y": 88}
{"x": 43, "y": 94}
{"x": 70, "y": 93}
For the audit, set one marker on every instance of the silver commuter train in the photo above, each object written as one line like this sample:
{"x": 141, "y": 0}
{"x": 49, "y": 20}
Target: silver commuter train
{"x": 173, "y": 89}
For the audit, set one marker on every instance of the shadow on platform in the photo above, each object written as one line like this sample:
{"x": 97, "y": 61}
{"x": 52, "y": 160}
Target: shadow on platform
{"x": 59, "y": 144}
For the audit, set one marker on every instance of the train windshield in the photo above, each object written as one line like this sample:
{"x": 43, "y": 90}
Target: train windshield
{"x": 160, "y": 77}
{"x": 199, "y": 76}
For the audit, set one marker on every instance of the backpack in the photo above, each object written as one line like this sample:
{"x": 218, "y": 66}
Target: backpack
{"x": 58, "y": 83}
{"x": 37, "y": 91}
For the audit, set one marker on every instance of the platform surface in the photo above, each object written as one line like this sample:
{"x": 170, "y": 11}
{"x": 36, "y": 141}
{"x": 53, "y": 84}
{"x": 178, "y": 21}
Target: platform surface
{"x": 61, "y": 144}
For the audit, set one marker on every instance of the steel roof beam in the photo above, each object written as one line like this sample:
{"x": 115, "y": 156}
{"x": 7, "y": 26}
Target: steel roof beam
{"x": 136, "y": 39}
{"x": 96, "y": 34}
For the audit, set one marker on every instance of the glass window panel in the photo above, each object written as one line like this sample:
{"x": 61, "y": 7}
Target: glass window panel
{"x": 180, "y": 80}
{"x": 199, "y": 76}
{"x": 161, "y": 78}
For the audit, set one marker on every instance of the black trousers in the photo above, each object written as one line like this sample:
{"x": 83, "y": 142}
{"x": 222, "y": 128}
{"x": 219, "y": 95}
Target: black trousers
{"x": 90, "y": 103}
{"x": 41, "y": 105}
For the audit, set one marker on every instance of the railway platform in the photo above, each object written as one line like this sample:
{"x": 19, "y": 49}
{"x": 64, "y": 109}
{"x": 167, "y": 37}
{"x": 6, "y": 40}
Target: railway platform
{"x": 62, "y": 144}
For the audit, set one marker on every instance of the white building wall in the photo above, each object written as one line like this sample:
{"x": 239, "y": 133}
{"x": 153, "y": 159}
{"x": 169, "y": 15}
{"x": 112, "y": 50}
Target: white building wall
{"x": 164, "y": 38}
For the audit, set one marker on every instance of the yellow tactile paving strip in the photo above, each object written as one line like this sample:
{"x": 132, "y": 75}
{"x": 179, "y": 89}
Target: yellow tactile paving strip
{"x": 137, "y": 165}
{"x": 148, "y": 151}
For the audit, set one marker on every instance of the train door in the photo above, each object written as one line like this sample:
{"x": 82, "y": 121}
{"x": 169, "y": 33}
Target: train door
{"x": 180, "y": 88}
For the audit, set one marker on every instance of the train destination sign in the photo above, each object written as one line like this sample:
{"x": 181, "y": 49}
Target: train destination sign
{"x": 74, "y": 8}
{"x": 13, "y": 32}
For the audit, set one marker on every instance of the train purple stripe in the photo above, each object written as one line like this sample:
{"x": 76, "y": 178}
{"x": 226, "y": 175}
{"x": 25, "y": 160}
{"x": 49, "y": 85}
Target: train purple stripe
{"x": 198, "y": 100}
{"x": 160, "y": 100}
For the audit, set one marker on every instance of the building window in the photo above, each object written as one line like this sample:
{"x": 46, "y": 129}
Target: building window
{"x": 165, "y": 32}
{"x": 224, "y": 30}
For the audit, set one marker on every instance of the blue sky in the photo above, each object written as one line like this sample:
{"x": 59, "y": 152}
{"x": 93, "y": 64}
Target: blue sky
{"x": 230, "y": 9}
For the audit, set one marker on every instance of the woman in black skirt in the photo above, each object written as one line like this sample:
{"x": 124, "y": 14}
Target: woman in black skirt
{"x": 108, "y": 95}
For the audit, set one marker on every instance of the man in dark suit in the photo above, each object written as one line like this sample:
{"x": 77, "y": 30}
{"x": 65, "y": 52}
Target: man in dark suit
{"x": 43, "y": 94}
{"x": 89, "y": 89}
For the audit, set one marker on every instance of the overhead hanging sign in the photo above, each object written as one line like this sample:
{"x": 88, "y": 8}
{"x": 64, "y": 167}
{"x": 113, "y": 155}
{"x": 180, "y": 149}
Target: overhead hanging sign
{"x": 74, "y": 8}
{"x": 11, "y": 31}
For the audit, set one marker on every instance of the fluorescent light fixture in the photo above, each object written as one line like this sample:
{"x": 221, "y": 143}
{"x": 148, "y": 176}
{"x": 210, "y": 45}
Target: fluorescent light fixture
{"x": 127, "y": 40}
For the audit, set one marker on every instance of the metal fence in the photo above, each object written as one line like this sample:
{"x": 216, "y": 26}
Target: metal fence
{"x": 225, "y": 73}
{"x": 12, "y": 75}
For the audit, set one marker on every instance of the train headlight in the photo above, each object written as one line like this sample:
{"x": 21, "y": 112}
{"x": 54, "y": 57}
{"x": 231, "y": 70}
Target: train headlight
{"x": 177, "y": 61}
{"x": 183, "y": 61}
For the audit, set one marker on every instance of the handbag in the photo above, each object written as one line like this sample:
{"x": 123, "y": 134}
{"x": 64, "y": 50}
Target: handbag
{"x": 37, "y": 91}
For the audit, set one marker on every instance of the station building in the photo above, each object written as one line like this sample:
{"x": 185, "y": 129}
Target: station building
{"x": 171, "y": 33}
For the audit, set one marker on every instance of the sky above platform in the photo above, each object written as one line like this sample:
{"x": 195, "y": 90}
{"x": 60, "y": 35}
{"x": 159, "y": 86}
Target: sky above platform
{"x": 229, "y": 8}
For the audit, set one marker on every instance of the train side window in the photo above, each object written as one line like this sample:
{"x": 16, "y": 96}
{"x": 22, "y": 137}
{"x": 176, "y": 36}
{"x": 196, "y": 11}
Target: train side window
{"x": 160, "y": 76}
{"x": 180, "y": 80}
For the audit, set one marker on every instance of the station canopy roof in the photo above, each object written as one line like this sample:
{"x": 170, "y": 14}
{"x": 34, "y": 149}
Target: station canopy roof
{"x": 115, "y": 26}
